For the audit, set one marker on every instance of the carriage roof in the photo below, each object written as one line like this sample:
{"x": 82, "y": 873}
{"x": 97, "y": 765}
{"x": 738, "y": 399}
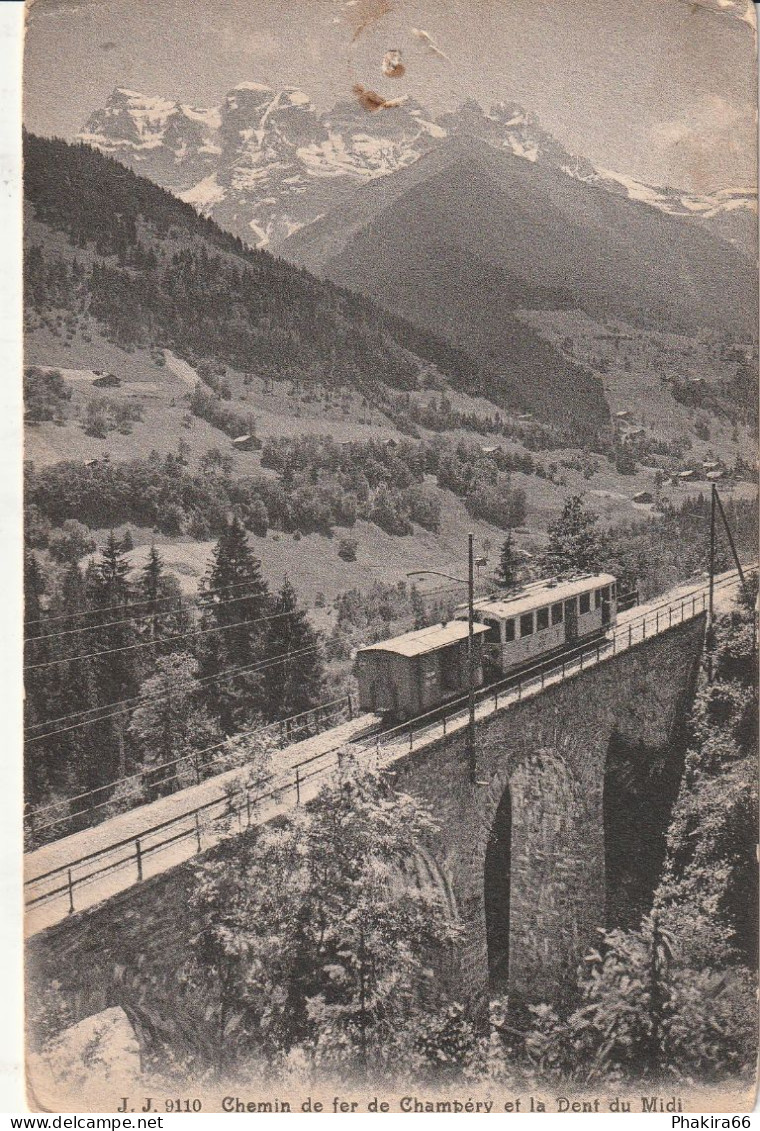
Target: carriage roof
{"x": 425, "y": 639}
{"x": 537, "y": 596}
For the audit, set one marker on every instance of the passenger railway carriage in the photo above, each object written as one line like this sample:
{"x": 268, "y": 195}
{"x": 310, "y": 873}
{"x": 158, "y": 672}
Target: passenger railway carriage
{"x": 419, "y": 671}
{"x": 543, "y": 618}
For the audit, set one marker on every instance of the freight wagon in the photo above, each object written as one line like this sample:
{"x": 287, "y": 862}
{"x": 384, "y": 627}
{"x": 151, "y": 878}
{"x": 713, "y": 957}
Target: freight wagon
{"x": 416, "y": 672}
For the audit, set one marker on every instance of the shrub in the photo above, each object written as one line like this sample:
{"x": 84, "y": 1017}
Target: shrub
{"x": 346, "y": 551}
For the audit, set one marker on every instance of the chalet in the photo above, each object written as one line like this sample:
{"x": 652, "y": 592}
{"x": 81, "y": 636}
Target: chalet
{"x": 688, "y": 476}
{"x": 525, "y": 416}
{"x": 490, "y": 450}
{"x": 643, "y": 497}
{"x": 247, "y": 443}
{"x": 714, "y": 476}
{"x": 623, "y": 415}
{"x": 711, "y": 465}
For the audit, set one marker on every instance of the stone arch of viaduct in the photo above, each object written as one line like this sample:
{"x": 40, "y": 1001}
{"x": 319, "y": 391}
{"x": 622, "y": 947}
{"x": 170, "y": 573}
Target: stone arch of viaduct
{"x": 546, "y": 756}
{"x": 543, "y": 761}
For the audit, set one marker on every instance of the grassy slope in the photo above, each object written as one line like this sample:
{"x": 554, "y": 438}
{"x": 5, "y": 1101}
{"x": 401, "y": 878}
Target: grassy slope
{"x": 312, "y": 563}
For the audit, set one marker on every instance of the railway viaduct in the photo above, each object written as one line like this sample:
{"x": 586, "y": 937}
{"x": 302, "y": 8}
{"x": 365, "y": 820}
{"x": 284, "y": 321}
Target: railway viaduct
{"x": 527, "y": 855}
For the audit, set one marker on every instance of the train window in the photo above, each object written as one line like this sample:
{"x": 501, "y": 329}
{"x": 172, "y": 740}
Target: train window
{"x": 526, "y": 624}
{"x": 597, "y": 598}
{"x": 606, "y": 593}
{"x": 493, "y": 636}
{"x": 557, "y": 613}
{"x": 614, "y": 588}
{"x": 585, "y": 602}
{"x": 509, "y": 630}
{"x": 542, "y": 619}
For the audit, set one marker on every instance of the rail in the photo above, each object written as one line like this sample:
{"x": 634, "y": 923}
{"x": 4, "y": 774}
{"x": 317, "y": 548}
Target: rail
{"x": 243, "y": 800}
{"x": 180, "y": 773}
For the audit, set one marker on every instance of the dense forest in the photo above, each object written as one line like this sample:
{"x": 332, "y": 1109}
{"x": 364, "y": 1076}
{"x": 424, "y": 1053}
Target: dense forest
{"x": 132, "y": 690}
{"x": 152, "y": 272}
{"x": 319, "y": 485}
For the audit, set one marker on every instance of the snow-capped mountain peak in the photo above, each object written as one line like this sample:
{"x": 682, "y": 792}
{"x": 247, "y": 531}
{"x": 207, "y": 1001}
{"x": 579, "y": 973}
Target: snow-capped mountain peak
{"x": 264, "y": 162}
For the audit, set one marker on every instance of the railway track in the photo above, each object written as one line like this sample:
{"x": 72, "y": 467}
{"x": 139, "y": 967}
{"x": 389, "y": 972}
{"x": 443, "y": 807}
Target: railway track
{"x": 62, "y": 879}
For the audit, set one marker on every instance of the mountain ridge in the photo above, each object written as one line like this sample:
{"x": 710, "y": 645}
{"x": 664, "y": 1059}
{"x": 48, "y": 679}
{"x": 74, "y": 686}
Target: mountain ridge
{"x": 549, "y": 242}
{"x": 265, "y": 162}
{"x": 155, "y": 274}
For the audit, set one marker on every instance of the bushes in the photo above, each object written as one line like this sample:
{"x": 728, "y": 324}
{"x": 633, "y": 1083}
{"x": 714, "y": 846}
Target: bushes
{"x": 347, "y": 549}
{"x": 71, "y": 542}
{"x": 103, "y": 415}
{"x": 209, "y": 407}
{"x": 423, "y": 507}
{"x": 46, "y": 395}
{"x": 644, "y": 1013}
{"x": 389, "y": 514}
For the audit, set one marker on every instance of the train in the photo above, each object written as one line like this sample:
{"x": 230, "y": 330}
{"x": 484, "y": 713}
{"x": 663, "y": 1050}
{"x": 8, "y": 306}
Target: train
{"x": 419, "y": 671}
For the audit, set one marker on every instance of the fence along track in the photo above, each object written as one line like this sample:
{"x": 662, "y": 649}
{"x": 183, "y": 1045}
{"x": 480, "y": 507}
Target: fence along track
{"x": 312, "y": 722}
{"x": 382, "y": 748}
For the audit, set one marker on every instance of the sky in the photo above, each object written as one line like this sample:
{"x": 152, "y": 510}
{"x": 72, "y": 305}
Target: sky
{"x": 662, "y": 90}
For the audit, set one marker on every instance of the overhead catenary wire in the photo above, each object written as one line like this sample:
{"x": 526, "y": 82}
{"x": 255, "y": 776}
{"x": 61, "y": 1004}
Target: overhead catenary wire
{"x": 147, "y": 643}
{"x": 727, "y": 580}
{"x": 152, "y": 617}
{"x": 228, "y": 740}
{"x": 227, "y": 673}
{"x": 191, "y": 598}
{"x": 135, "y": 604}
{"x": 178, "y": 636}
{"x": 137, "y": 701}
{"x": 683, "y": 597}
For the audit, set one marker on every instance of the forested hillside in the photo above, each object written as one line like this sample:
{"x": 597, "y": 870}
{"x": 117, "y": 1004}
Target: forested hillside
{"x": 151, "y": 272}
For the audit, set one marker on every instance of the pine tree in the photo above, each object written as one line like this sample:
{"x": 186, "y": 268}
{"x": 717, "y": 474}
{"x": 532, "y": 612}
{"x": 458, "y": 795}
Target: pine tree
{"x": 150, "y": 579}
{"x": 575, "y": 543}
{"x": 110, "y": 586}
{"x": 235, "y": 599}
{"x": 507, "y": 570}
{"x": 293, "y": 682}
{"x": 233, "y": 589}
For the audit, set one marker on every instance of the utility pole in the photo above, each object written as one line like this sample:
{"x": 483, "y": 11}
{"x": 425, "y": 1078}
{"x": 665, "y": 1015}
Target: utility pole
{"x": 739, "y": 569}
{"x": 471, "y": 755}
{"x": 713, "y": 496}
{"x": 471, "y": 658}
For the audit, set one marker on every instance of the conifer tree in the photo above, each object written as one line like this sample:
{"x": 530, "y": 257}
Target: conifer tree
{"x": 293, "y": 682}
{"x": 150, "y": 579}
{"x": 507, "y": 570}
{"x": 235, "y": 600}
{"x": 575, "y": 543}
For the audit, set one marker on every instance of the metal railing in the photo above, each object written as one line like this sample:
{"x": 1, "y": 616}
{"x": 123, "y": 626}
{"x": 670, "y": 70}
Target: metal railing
{"x": 57, "y": 819}
{"x": 243, "y": 800}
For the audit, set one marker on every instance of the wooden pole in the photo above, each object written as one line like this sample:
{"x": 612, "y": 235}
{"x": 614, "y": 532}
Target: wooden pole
{"x": 471, "y": 657}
